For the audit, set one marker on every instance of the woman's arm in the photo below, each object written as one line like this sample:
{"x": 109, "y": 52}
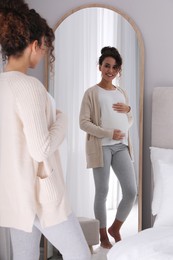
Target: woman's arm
{"x": 41, "y": 140}
{"x": 86, "y": 119}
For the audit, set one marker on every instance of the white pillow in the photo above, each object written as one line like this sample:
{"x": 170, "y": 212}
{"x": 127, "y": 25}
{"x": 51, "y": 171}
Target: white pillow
{"x": 166, "y": 156}
{"x": 165, "y": 215}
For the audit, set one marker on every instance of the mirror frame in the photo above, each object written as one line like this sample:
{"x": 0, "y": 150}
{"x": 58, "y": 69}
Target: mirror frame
{"x": 141, "y": 76}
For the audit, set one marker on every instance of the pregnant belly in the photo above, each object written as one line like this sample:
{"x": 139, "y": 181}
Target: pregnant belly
{"x": 118, "y": 121}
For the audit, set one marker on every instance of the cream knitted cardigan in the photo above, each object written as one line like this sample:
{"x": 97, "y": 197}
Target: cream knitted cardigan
{"x": 90, "y": 122}
{"x": 29, "y": 141}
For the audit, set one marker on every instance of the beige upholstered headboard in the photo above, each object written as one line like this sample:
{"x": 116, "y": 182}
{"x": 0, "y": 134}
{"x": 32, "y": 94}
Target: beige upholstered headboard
{"x": 162, "y": 117}
{"x": 162, "y": 122}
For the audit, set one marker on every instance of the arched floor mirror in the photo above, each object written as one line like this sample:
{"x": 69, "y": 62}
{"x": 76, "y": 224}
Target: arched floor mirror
{"x": 79, "y": 36}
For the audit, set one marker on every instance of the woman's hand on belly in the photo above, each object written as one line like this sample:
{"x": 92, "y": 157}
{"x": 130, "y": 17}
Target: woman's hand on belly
{"x": 118, "y": 134}
{"x": 121, "y": 107}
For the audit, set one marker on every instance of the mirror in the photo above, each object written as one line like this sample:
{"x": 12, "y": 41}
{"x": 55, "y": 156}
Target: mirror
{"x": 79, "y": 37}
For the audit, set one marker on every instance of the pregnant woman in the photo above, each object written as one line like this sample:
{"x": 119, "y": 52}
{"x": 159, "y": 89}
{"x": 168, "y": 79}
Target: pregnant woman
{"x": 106, "y": 117}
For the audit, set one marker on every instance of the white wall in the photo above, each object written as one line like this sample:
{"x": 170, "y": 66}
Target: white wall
{"x": 154, "y": 19}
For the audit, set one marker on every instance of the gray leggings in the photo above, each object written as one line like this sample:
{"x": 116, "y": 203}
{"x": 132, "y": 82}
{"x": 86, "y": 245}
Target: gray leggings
{"x": 67, "y": 237}
{"x": 118, "y": 157}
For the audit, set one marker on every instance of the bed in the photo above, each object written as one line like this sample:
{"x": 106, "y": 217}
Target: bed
{"x": 156, "y": 243}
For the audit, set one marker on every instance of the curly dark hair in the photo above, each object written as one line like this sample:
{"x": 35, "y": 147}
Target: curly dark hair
{"x": 13, "y": 5}
{"x": 111, "y": 52}
{"x": 20, "y": 26}
{"x": 39, "y": 28}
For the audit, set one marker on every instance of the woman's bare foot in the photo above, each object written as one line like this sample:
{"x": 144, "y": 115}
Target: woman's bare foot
{"x": 104, "y": 240}
{"x": 114, "y": 234}
{"x": 114, "y": 230}
{"x": 106, "y": 244}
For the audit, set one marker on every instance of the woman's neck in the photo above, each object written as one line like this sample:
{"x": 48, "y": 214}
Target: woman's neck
{"x": 16, "y": 64}
{"x": 106, "y": 85}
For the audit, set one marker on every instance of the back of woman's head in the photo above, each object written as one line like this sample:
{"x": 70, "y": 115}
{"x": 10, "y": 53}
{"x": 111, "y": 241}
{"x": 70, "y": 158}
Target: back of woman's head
{"x": 38, "y": 29}
{"x": 20, "y": 26}
{"x": 110, "y": 52}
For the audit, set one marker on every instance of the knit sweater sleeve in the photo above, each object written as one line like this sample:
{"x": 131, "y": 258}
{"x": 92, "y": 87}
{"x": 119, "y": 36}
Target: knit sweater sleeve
{"x": 31, "y": 98}
{"x": 89, "y": 119}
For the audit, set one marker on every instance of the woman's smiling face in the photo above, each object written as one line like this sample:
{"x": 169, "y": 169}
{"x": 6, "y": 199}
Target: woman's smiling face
{"x": 109, "y": 69}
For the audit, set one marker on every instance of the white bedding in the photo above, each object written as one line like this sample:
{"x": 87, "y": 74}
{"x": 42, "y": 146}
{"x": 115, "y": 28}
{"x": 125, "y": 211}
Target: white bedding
{"x": 150, "y": 244}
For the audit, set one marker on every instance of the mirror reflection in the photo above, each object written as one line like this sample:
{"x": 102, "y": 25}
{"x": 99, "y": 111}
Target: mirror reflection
{"x": 79, "y": 38}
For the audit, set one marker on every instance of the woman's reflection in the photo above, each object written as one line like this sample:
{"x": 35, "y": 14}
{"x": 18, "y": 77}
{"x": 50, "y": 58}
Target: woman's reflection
{"x": 106, "y": 118}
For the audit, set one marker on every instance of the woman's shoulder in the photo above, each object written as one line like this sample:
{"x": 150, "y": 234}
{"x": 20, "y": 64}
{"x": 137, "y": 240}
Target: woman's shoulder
{"x": 122, "y": 90}
{"x": 25, "y": 85}
{"x": 29, "y": 82}
{"x": 91, "y": 89}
